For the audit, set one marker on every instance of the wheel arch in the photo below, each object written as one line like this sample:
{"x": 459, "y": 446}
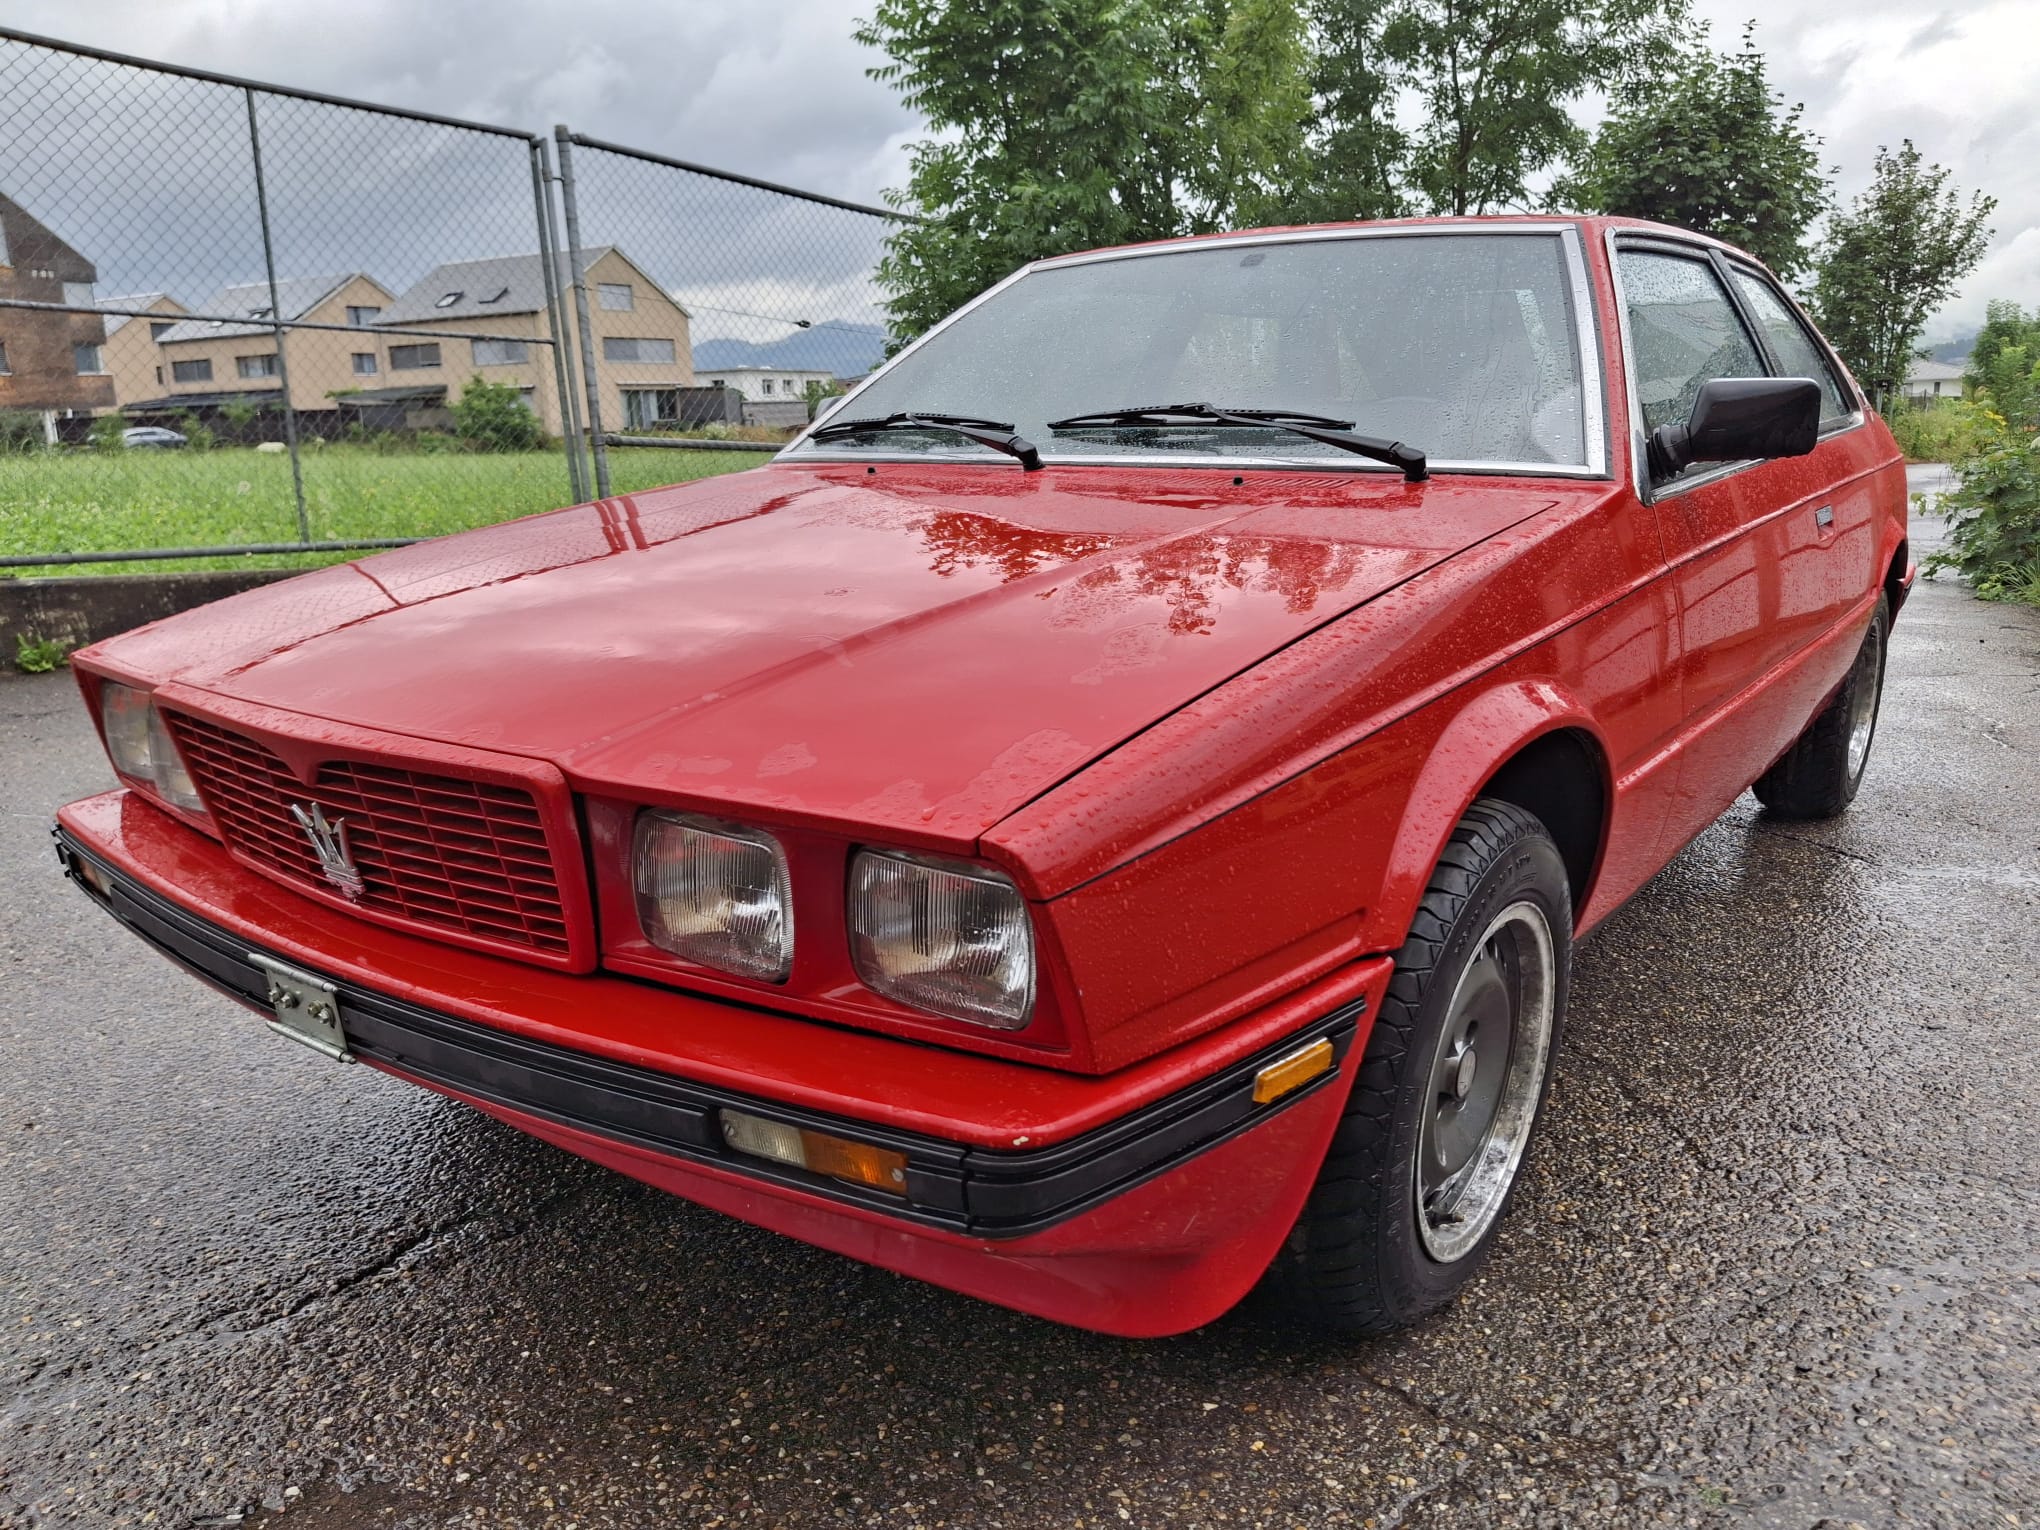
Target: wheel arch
{"x": 1530, "y": 743}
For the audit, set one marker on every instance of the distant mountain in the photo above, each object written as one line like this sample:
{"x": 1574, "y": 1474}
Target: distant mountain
{"x": 844, "y": 349}
{"x": 1953, "y": 350}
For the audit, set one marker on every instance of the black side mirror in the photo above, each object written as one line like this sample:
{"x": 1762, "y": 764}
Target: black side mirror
{"x": 1738, "y": 418}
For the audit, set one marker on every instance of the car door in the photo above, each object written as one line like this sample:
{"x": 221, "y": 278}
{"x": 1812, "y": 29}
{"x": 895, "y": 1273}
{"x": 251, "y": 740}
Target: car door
{"x": 1829, "y": 540}
{"x": 1724, "y": 539}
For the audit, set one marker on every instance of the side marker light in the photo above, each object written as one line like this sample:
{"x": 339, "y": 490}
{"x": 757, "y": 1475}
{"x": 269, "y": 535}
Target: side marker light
{"x": 1288, "y": 1074}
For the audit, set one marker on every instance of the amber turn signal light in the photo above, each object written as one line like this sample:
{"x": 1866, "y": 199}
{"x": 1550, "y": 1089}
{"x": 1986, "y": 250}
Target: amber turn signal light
{"x": 1288, "y": 1074}
{"x": 817, "y": 1152}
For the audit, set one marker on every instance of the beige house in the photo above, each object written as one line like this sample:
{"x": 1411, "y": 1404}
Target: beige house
{"x": 643, "y": 355}
{"x": 130, "y": 355}
{"x": 212, "y": 360}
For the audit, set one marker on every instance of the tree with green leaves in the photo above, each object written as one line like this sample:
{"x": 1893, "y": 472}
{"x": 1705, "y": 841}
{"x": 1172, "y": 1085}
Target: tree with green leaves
{"x": 1062, "y": 124}
{"x": 1890, "y": 259}
{"x": 1499, "y": 79}
{"x": 1708, "y": 145}
{"x": 1355, "y": 150}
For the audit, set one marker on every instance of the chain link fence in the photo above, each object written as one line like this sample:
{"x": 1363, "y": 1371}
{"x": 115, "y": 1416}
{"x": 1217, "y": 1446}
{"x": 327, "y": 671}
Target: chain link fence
{"x": 243, "y": 321}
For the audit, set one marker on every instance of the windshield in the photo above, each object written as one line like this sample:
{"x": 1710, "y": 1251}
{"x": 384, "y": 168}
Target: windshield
{"x": 1465, "y": 346}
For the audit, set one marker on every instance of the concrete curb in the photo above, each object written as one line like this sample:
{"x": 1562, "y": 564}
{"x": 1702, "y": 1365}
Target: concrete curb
{"x": 75, "y": 612}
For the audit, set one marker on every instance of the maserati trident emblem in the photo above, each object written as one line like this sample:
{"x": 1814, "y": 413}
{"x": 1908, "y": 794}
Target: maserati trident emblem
{"x": 328, "y": 838}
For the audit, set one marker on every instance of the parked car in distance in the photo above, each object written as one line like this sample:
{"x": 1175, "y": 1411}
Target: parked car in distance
{"x": 151, "y": 438}
{"x": 1088, "y": 852}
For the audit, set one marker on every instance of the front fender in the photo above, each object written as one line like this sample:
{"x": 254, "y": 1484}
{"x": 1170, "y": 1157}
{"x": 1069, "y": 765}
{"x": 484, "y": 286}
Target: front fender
{"x": 1472, "y": 746}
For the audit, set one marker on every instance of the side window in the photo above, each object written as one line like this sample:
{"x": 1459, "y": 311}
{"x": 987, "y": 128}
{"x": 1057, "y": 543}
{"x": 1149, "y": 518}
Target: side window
{"x": 1798, "y": 355}
{"x": 1683, "y": 331}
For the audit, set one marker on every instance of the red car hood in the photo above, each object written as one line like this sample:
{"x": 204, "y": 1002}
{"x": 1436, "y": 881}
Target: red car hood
{"x": 920, "y": 650}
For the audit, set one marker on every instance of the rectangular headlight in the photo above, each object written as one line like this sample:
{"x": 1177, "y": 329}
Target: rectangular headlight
{"x": 951, "y": 937}
{"x": 141, "y": 747}
{"x": 714, "y": 893}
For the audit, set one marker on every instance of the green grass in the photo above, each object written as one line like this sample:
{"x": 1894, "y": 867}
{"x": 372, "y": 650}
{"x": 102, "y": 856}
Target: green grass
{"x": 112, "y": 501}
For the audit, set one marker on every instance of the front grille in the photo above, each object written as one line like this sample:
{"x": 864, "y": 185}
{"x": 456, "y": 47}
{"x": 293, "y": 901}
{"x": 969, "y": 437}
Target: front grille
{"x": 434, "y": 850}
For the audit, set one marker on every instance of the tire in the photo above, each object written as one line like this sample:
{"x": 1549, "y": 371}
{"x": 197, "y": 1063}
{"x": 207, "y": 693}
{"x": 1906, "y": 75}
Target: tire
{"x": 1365, "y": 1256}
{"x": 1818, "y": 776}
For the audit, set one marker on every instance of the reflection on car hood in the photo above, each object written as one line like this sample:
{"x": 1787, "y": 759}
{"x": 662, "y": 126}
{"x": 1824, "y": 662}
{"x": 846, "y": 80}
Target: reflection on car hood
{"x": 921, "y": 649}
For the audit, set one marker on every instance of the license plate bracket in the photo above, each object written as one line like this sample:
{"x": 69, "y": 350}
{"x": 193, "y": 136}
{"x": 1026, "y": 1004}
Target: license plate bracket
{"x": 305, "y": 1008}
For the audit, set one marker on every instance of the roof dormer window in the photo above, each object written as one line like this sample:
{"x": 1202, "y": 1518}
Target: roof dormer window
{"x": 449, "y": 300}
{"x": 496, "y": 297}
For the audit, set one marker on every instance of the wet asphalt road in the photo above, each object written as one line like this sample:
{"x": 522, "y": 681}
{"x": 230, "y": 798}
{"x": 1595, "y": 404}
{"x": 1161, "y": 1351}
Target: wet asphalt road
{"x": 1776, "y": 1262}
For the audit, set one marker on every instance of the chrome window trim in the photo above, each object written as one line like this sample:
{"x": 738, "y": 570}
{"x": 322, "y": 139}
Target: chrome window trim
{"x": 1593, "y": 381}
{"x": 1698, "y": 246}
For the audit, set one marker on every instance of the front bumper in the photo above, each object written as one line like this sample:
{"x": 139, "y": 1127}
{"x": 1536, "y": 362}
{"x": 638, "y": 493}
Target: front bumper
{"x": 1147, "y": 1218}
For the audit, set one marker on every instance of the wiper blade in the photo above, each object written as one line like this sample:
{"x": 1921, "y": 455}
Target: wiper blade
{"x": 1316, "y": 427}
{"x": 997, "y": 434}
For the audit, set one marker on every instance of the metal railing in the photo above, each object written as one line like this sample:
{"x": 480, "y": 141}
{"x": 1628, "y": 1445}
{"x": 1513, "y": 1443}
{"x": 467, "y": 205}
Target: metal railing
{"x": 246, "y": 265}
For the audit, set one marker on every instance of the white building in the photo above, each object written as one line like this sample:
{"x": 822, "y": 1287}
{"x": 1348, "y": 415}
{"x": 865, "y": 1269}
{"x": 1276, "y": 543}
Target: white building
{"x": 764, "y": 384}
{"x": 1934, "y": 379}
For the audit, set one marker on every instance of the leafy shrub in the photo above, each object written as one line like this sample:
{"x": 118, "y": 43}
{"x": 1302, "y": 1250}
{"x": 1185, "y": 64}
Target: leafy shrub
{"x": 1942, "y": 430}
{"x": 20, "y": 431}
{"x": 493, "y": 417}
{"x": 105, "y": 433}
{"x": 37, "y": 656}
{"x": 198, "y": 435}
{"x": 1994, "y": 511}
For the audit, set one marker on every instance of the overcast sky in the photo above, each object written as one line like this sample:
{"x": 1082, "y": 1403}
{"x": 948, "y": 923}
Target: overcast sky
{"x": 777, "y": 88}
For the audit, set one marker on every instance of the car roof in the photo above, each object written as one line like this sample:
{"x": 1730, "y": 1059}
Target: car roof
{"x": 1588, "y": 224}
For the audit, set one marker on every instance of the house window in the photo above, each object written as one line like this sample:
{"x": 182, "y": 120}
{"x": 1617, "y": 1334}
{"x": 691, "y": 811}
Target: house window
{"x": 5, "y": 369}
{"x": 448, "y": 301}
{"x": 413, "y": 358}
{"x": 159, "y": 377}
{"x": 78, "y": 294}
{"x": 495, "y": 297}
{"x": 364, "y": 363}
{"x": 85, "y": 358}
{"x": 644, "y": 407}
{"x": 528, "y": 397}
{"x": 191, "y": 371}
{"x": 622, "y": 348}
{"x": 161, "y": 327}
{"x": 501, "y": 353}
{"x": 359, "y": 314}
{"x": 255, "y": 366}
{"x": 616, "y": 296}
{"x": 786, "y": 386}
{"x": 765, "y": 387}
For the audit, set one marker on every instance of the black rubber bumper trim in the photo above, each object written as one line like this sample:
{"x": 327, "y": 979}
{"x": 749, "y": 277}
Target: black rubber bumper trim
{"x": 965, "y": 1189}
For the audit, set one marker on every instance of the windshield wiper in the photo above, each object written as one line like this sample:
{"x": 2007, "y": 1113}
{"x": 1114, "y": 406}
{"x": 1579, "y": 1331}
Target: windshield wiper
{"x": 1316, "y": 427}
{"x": 997, "y": 434}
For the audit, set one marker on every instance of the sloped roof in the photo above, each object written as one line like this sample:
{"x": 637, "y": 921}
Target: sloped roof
{"x": 132, "y": 300}
{"x": 484, "y": 288}
{"x": 1933, "y": 371}
{"x": 296, "y": 296}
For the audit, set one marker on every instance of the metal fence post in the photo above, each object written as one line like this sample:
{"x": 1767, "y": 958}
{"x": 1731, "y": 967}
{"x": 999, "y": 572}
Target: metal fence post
{"x": 579, "y": 278}
{"x": 276, "y": 320}
{"x": 570, "y": 429}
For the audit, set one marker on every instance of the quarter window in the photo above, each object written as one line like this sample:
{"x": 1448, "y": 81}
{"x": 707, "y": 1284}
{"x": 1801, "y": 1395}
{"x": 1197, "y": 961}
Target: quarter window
{"x": 1683, "y": 332}
{"x": 1798, "y": 355}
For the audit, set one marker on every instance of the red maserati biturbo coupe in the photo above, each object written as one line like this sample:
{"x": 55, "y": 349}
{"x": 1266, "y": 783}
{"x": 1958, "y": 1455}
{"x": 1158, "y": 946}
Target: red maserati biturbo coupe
{"x": 1104, "y": 815}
